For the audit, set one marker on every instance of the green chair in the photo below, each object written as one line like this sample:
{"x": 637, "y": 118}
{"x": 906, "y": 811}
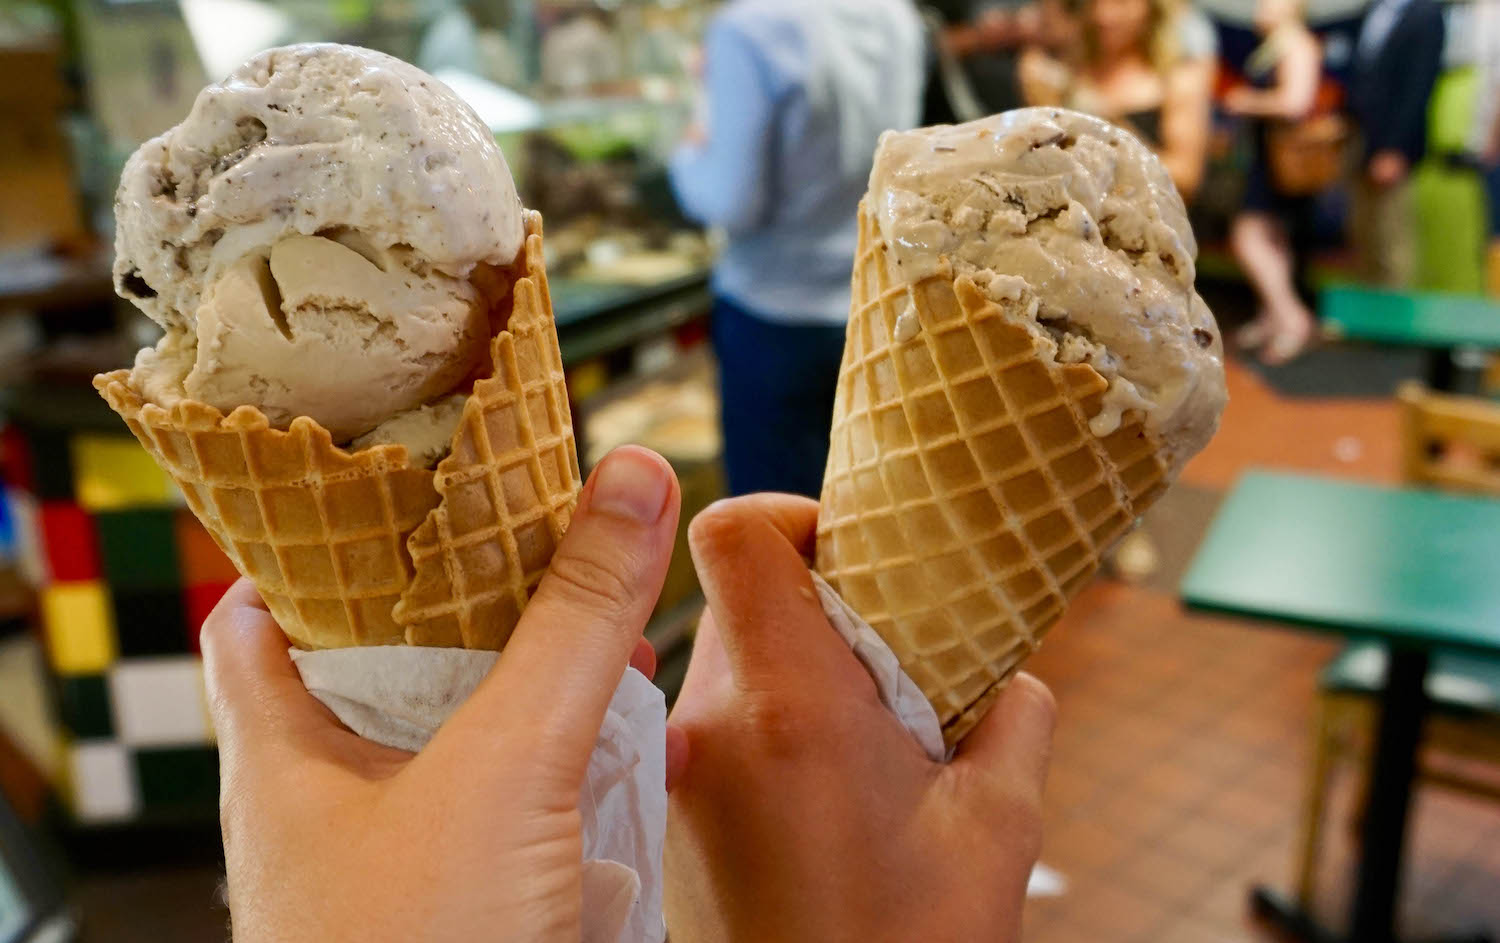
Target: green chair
{"x": 1449, "y": 202}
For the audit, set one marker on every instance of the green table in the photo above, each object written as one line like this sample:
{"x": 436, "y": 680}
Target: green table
{"x": 1438, "y": 323}
{"x": 1412, "y": 570}
{"x": 595, "y": 318}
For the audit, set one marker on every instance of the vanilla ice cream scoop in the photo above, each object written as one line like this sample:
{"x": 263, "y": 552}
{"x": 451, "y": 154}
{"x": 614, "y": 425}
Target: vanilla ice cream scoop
{"x": 1074, "y": 222}
{"x": 321, "y": 236}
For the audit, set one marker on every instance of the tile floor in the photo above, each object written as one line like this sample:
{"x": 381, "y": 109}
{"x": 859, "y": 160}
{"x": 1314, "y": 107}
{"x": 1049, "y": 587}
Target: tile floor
{"x": 1183, "y": 738}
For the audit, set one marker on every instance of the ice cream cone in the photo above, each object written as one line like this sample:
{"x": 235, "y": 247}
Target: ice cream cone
{"x": 508, "y": 487}
{"x": 330, "y": 537}
{"x": 966, "y": 500}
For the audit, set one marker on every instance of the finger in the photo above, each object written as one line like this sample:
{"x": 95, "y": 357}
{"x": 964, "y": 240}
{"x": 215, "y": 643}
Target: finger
{"x": 255, "y": 695}
{"x": 555, "y": 678}
{"x": 1012, "y": 745}
{"x": 677, "y": 755}
{"x": 749, "y": 553}
{"x": 643, "y": 659}
{"x": 708, "y": 666}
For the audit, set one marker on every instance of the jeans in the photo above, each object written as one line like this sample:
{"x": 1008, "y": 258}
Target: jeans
{"x": 776, "y": 383}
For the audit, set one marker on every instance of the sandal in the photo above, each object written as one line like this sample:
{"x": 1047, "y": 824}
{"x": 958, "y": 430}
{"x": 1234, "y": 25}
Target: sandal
{"x": 1253, "y": 335}
{"x": 1285, "y": 347}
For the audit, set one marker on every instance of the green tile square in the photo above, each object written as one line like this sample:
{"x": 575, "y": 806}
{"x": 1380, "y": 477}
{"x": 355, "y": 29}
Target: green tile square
{"x": 83, "y": 707}
{"x": 139, "y": 548}
{"x": 184, "y": 779}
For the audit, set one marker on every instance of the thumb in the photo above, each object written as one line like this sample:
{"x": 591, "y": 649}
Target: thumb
{"x": 1009, "y": 751}
{"x": 555, "y": 678}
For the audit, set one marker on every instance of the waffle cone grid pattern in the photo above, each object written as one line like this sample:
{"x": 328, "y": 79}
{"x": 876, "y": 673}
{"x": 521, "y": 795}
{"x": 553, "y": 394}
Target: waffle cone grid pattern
{"x": 318, "y": 530}
{"x": 966, "y": 501}
{"x": 509, "y": 488}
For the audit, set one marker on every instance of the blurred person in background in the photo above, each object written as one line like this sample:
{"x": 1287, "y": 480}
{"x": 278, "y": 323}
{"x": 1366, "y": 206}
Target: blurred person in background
{"x": 1129, "y": 67}
{"x": 974, "y": 68}
{"x": 1396, "y": 62}
{"x": 1282, "y": 75}
{"x": 797, "y": 93}
{"x": 470, "y": 36}
{"x": 1486, "y": 132}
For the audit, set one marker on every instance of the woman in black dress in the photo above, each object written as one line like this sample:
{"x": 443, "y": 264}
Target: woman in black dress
{"x": 1282, "y": 77}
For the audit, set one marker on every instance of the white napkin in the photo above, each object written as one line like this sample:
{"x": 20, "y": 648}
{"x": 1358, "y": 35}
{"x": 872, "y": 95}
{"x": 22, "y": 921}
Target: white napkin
{"x": 898, "y": 691}
{"x": 398, "y": 695}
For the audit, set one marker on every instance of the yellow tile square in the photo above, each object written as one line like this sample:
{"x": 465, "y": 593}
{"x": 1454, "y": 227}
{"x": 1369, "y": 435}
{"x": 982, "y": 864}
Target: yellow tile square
{"x": 80, "y": 628}
{"x": 111, "y": 472}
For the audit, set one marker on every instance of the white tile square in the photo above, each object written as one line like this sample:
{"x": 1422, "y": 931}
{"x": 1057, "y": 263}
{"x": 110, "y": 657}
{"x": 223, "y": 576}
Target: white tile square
{"x": 159, "y": 702}
{"x": 103, "y": 780}
{"x": 26, "y": 513}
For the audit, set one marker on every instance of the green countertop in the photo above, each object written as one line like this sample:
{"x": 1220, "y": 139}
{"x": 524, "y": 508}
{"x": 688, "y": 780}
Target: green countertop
{"x": 596, "y": 318}
{"x": 1388, "y": 564}
{"x": 1412, "y": 319}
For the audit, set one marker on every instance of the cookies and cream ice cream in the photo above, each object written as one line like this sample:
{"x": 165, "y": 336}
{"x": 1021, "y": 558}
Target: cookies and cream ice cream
{"x": 1073, "y": 222}
{"x": 323, "y": 236}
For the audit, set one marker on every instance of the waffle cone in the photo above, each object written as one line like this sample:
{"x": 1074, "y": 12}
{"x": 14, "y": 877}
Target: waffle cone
{"x": 966, "y": 501}
{"x": 364, "y": 548}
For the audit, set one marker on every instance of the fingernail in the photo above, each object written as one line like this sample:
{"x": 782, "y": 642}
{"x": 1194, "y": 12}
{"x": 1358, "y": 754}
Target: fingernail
{"x": 632, "y": 484}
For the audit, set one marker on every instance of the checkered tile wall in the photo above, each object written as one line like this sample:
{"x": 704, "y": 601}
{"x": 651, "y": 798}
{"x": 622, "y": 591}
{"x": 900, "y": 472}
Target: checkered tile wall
{"x": 125, "y": 576}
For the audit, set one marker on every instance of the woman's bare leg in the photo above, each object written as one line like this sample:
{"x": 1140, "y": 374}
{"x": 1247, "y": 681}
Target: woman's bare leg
{"x": 1263, "y": 253}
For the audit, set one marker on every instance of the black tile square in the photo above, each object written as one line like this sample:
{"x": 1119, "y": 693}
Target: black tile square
{"x": 182, "y": 779}
{"x": 83, "y": 706}
{"x": 150, "y": 622}
{"x": 52, "y": 465}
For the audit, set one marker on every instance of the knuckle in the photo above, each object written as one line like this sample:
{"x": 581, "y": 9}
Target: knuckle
{"x": 591, "y": 583}
{"x": 779, "y": 725}
{"x": 1015, "y": 823}
{"x": 717, "y": 528}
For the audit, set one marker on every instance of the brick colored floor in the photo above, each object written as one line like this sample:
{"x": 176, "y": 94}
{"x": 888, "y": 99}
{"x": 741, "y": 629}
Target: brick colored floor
{"x": 1183, "y": 739}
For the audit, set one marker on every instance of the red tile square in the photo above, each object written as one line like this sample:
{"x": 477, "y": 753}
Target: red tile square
{"x": 202, "y": 562}
{"x": 16, "y": 467}
{"x": 199, "y": 601}
{"x": 69, "y": 541}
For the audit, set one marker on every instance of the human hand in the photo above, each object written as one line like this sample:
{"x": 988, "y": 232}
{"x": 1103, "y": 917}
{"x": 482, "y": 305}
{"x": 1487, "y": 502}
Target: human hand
{"x": 996, "y": 28}
{"x": 328, "y": 836}
{"x": 1387, "y": 168}
{"x": 1238, "y": 100}
{"x": 805, "y": 810}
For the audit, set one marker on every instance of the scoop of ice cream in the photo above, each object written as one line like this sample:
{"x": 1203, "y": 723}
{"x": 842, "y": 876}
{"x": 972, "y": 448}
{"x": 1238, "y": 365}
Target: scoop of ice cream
{"x": 426, "y": 431}
{"x": 318, "y": 237}
{"x": 315, "y": 327}
{"x": 1074, "y": 224}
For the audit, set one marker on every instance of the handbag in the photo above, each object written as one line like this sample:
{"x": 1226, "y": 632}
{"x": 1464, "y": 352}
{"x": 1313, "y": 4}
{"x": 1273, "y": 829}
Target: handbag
{"x": 1307, "y": 156}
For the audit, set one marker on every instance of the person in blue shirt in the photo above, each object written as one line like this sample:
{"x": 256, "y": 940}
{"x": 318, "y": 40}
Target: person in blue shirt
{"x": 797, "y": 93}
